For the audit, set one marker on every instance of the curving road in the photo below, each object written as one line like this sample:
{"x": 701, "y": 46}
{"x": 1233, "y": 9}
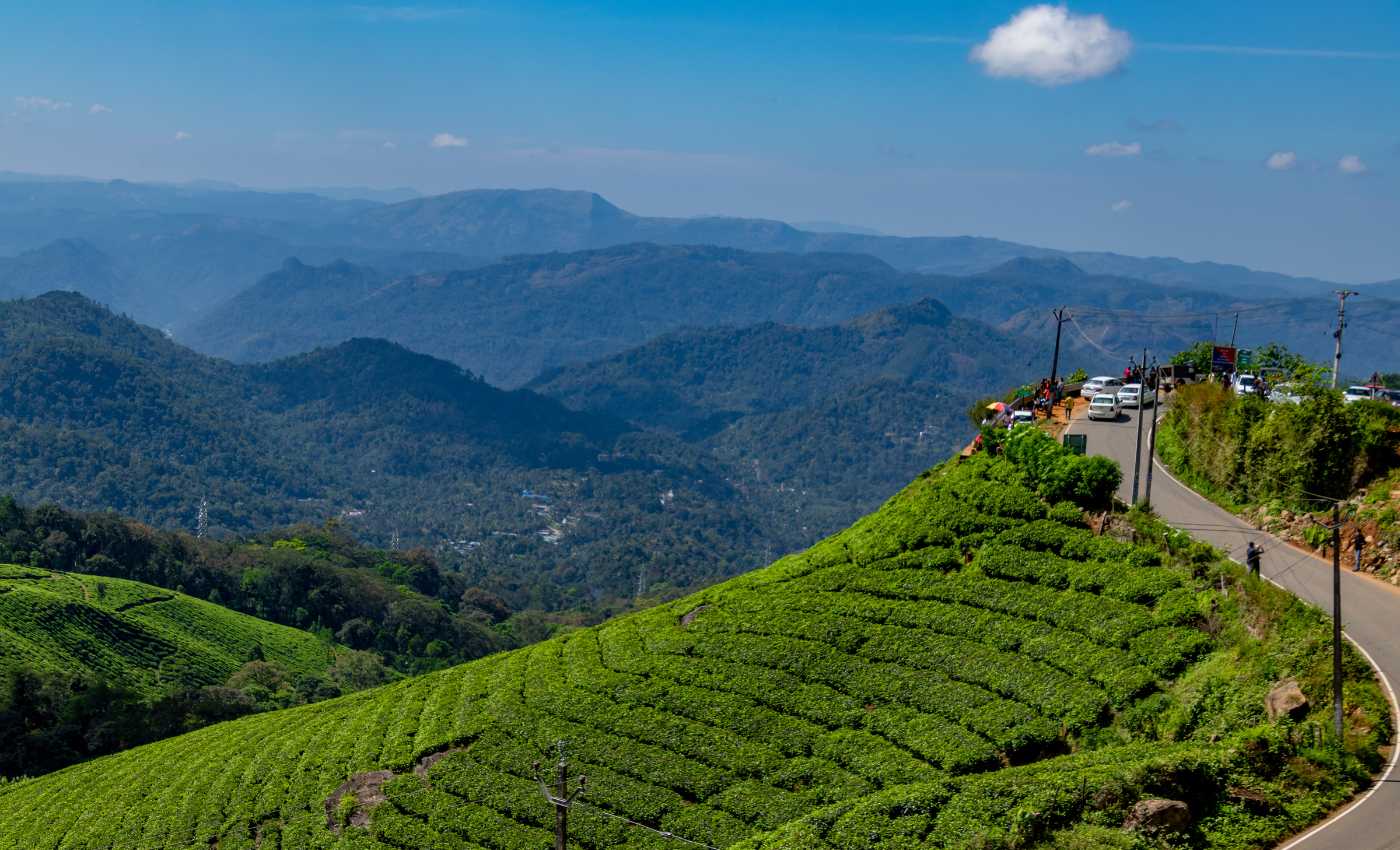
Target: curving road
{"x": 1370, "y": 614}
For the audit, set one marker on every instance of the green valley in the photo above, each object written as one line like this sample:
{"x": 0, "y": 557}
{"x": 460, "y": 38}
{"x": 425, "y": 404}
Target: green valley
{"x": 970, "y": 666}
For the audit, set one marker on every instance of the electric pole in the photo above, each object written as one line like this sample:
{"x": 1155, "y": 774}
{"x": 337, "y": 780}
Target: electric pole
{"x": 560, "y": 797}
{"x": 1137, "y": 453}
{"x": 1342, "y": 296}
{"x": 1059, "y": 324}
{"x": 1337, "y": 621}
{"x": 1235, "y": 330}
{"x": 1152, "y": 437}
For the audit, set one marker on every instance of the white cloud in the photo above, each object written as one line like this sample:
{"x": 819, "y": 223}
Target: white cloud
{"x": 99, "y": 109}
{"x": 447, "y": 140}
{"x": 388, "y": 146}
{"x": 1122, "y": 206}
{"x": 1351, "y": 164}
{"x": 41, "y": 104}
{"x": 1114, "y": 149}
{"x": 1282, "y": 161}
{"x": 1051, "y": 46}
{"x": 182, "y": 136}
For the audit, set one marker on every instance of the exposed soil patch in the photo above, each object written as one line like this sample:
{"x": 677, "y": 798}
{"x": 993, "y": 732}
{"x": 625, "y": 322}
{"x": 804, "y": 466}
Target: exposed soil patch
{"x": 689, "y": 616}
{"x": 368, "y": 791}
{"x": 426, "y": 762}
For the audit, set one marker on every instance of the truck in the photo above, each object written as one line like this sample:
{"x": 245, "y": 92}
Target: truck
{"x": 1174, "y": 375}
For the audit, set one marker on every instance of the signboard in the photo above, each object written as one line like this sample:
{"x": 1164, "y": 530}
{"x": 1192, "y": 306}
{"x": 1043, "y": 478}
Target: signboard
{"x": 1077, "y": 443}
{"x": 1244, "y": 359}
{"x": 1222, "y": 358}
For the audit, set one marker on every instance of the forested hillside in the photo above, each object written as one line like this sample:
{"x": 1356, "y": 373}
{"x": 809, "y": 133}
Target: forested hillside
{"x": 837, "y": 417}
{"x": 970, "y": 666}
{"x": 546, "y": 506}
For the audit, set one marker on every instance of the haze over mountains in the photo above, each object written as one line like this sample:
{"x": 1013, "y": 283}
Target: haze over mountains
{"x": 184, "y": 227}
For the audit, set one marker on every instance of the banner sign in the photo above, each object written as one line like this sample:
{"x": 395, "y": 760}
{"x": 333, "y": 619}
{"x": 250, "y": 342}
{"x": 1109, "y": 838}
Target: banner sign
{"x": 1222, "y": 358}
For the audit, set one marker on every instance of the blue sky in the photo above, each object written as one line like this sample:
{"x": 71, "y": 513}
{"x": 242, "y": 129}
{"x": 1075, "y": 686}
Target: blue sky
{"x": 871, "y": 114}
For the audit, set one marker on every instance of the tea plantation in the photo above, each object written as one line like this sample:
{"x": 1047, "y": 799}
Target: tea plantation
{"x": 145, "y": 637}
{"x": 970, "y": 666}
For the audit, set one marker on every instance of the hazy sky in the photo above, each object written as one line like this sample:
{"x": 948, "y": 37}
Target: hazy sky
{"x": 1260, "y": 133}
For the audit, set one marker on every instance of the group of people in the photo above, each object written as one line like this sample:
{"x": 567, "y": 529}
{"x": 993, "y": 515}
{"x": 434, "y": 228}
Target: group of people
{"x": 1048, "y": 394}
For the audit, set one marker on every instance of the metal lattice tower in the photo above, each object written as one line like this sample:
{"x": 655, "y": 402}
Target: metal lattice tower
{"x": 201, "y": 519}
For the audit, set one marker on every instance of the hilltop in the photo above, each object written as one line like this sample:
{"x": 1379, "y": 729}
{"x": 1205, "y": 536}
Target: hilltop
{"x": 969, "y": 665}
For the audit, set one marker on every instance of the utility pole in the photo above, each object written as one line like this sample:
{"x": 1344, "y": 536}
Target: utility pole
{"x": 1152, "y": 436}
{"x": 1337, "y": 621}
{"x": 1059, "y": 324}
{"x": 1342, "y": 296}
{"x": 1236, "y": 330}
{"x": 1137, "y": 451}
{"x": 560, "y": 797}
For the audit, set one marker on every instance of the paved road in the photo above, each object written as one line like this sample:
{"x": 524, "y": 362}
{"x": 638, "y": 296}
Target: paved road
{"x": 1370, "y": 615}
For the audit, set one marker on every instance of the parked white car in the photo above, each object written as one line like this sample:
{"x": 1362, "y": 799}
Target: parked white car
{"x": 1358, "y": 393}
{"x": 1022, "y": 417}
{"x": 1246, "y": 384}
{"x": 1102, "y": 383}
{"x": 1105, "y": 406}
{"x": 1285, "y": 394}
{"x": 1128, "y": 396}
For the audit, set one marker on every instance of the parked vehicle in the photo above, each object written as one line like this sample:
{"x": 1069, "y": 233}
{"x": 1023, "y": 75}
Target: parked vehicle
{"x": 1128, "y": 396}
{"x": 1246, "y": 384}
{"x": 1392, "y": 396}
{"x": 1285, "y": 394}
{"x": 1103, "y": 383}
{"x": 1358, "y": 392}
{"x": 1022, "y": 417}
{"x": 1105, "y": 406}
{"x": 1174, "y": 375}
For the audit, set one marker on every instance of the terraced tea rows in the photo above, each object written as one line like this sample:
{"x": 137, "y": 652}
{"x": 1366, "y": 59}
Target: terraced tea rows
{"x": 136, "y": 634}
{"x": 912, "y": 682}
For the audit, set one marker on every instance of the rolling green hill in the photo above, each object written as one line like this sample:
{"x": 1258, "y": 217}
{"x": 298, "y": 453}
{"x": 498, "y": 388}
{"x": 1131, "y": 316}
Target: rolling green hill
{"x": 970, "y": 666}
{"x": 148, "y": 638}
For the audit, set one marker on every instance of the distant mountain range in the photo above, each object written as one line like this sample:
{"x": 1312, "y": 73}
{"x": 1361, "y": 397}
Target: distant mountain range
{"x": 509, "y": 321}
{"x": 183, "y": 249}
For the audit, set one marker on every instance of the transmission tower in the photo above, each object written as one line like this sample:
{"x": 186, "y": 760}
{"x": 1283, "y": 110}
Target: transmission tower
{"x": 201, "y": 519}
{"x": 394, "y": 540}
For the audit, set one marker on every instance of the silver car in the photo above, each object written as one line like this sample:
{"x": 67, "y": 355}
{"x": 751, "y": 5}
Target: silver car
{"x": 1105, "y": 406}
{"x": 1128, "y": 396}
{"x": 1102, "y": 383}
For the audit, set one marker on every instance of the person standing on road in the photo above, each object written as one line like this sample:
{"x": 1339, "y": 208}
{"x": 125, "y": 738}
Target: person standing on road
{"x": 1251, "y": 558}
